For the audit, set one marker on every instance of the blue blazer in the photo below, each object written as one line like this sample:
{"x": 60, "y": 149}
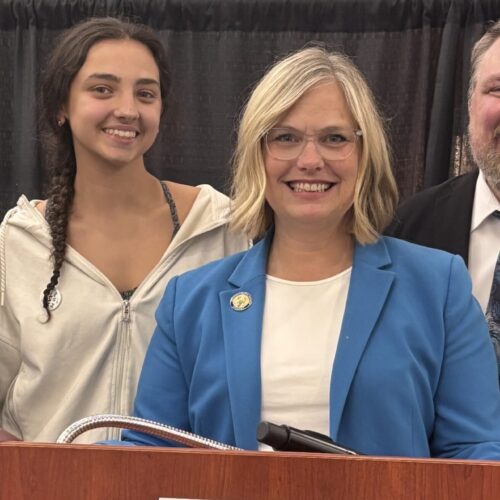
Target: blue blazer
{"x": 414, "y": 373}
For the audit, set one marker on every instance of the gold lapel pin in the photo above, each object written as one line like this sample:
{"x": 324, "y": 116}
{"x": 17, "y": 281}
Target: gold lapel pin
{"x": 241, "y": 301}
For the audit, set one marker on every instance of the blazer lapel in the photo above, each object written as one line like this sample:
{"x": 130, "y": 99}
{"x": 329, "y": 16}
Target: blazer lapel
{"x": 368, "y": 290}
{"x": 242, "y": 339}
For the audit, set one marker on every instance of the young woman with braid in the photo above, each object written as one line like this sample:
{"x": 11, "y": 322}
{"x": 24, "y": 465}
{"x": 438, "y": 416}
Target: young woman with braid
{"x": 82, "y": 272}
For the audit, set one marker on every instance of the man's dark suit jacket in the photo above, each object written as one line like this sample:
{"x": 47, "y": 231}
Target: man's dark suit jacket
{"x": 439, "y": 217}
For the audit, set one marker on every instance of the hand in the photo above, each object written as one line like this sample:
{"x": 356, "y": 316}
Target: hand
{"x": 7, "y": 436}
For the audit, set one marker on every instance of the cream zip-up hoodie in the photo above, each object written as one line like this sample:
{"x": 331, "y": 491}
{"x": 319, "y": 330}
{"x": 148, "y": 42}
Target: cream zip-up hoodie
{"x": 87, "y": 359}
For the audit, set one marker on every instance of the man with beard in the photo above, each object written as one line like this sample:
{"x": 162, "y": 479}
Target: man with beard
{"x": 462, "y": 215}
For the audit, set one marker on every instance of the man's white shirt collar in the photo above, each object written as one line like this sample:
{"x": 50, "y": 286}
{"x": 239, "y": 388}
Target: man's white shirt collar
{"x": 485, "y": 202}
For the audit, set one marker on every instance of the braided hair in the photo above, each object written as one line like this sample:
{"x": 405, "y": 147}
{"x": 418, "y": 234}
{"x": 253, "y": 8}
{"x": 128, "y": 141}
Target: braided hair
{"x": 63, "y": 64}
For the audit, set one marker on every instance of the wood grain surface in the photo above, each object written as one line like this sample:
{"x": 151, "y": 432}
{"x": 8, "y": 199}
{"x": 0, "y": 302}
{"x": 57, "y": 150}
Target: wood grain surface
{"x": 32, "y": 471}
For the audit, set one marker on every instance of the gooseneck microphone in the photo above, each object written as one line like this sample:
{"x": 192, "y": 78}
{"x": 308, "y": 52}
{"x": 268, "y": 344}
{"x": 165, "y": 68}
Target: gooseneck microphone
{"x": 286, "y": 438}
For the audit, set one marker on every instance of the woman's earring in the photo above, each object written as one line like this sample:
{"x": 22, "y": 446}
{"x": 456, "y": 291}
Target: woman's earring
{"x": 60, "y": 122}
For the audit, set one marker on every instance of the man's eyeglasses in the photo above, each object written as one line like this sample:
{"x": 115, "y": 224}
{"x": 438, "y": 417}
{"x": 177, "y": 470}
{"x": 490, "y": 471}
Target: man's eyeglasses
{"x": 331, "y": 144}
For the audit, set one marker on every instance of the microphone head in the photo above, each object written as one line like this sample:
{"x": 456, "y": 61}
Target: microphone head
{"x": 273, "y": 435}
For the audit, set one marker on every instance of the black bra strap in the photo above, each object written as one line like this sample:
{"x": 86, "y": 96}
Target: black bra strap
{"x": 173, "y": 208}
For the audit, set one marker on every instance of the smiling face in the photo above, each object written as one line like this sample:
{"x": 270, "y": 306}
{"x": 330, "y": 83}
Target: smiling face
{"x": 114, "y": 104}
{"x": 310, "y": 190}
{"x": 484, "y": 112}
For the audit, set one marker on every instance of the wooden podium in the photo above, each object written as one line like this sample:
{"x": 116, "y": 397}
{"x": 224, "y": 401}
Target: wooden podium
{"x": 34, "y": 471}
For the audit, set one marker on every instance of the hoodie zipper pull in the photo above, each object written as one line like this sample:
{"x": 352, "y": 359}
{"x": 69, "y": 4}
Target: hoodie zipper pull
{"x": 126, "y": 311}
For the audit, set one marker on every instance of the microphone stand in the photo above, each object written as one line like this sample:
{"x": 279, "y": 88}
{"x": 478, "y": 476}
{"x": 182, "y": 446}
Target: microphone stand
{"x": 141, "y": 425}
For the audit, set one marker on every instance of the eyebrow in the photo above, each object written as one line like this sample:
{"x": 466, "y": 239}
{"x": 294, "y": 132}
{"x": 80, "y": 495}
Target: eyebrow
{"x": 113, "y": 78}
{"x": 328, "y": 128}
{"x": 492, "y": 78}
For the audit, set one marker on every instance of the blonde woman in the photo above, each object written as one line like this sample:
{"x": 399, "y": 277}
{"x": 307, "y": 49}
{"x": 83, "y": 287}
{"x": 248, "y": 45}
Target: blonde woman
{"x": 324, "y": 324}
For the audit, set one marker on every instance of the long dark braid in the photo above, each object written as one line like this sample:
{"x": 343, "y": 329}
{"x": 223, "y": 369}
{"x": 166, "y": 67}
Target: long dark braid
{"x": 63, "y": 64}
{"x": 59, "y": 200}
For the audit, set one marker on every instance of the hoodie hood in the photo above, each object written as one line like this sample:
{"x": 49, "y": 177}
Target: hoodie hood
{"x": 26, "y": 217}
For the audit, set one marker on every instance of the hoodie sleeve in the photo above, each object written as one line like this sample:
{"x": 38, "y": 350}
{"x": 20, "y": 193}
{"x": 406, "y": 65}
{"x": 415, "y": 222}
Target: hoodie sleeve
{"x": 10, "y": 358}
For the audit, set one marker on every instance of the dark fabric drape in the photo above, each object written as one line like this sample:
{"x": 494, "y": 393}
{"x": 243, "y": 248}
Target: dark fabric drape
{"x": 414, "y": 53}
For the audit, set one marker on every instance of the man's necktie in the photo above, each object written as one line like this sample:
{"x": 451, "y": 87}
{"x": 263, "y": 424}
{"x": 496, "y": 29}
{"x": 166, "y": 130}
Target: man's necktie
{"x": 493, "y": 309}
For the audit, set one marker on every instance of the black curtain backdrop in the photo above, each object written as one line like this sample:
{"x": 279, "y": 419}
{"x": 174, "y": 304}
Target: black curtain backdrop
{"x": 414, "y": 53}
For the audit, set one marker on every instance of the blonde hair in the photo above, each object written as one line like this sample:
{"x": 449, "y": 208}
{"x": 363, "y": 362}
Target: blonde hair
{"x": 283, "y": 85}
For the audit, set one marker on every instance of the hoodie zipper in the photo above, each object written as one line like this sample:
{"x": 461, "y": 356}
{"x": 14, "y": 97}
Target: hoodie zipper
{"x": 123, "y": 347}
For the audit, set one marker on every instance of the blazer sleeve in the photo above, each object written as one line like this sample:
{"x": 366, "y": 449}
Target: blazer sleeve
{"x": 467, "y": 399}
{"x": 162, "y": 393}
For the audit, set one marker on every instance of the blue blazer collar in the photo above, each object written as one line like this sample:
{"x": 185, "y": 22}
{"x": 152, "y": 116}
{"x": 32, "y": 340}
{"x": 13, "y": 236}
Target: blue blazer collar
{"x": 368, "y": 290}
{"x": 253, "y": 264}
{"x": 242, "y": 339}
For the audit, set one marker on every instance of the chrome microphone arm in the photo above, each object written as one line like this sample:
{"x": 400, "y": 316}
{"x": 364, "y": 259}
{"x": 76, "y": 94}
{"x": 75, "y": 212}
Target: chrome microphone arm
{"x": 141, "y": 425}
